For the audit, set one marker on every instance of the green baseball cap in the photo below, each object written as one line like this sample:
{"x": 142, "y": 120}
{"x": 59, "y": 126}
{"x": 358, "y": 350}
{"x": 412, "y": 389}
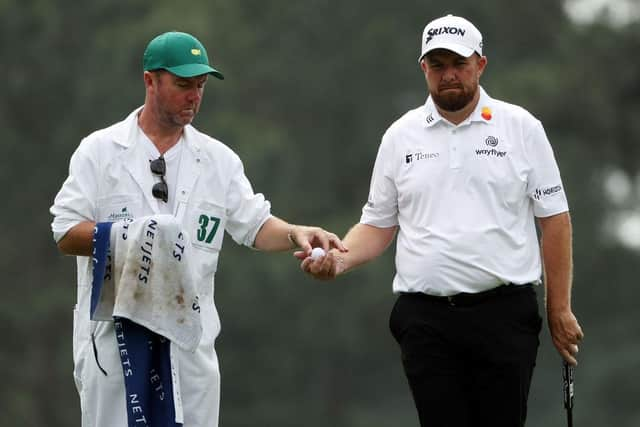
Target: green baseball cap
{"x": 180, "y": 54}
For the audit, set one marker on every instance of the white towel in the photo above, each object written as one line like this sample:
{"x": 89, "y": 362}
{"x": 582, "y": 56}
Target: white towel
{"x": 150, "y": 280}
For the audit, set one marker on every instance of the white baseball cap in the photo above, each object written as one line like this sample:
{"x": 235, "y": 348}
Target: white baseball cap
{"x": 452, "y": 33}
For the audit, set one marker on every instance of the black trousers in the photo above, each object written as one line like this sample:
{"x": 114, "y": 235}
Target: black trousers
{"x": 469, "y": 360}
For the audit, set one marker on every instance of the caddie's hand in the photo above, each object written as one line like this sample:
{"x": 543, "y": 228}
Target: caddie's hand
{"x": 307, "y": 238}
{"x": 566, "y": 334}
{"x": 326, "y": 267}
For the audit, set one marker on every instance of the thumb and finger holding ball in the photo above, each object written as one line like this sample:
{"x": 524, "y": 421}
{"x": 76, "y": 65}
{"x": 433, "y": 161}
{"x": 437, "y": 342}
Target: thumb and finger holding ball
{"x": 317, "y": 253}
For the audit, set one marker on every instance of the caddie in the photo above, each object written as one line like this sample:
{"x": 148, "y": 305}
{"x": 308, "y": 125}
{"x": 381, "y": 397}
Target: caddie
{"x": 155, "y": 162}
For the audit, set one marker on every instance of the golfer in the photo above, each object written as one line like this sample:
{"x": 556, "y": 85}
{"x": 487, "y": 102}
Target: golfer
{"x": 463, "y": 180}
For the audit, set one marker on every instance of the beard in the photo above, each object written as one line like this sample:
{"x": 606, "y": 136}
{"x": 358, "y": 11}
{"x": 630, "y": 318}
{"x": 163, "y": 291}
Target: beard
{"x": 454, "y": 100}
{"x": 174, "y": 118}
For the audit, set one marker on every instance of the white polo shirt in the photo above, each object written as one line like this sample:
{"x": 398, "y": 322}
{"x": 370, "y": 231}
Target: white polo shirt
{"x": 465, "y": 197}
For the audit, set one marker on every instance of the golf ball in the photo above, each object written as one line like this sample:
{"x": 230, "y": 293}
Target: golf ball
{"x": 317, "y": 253}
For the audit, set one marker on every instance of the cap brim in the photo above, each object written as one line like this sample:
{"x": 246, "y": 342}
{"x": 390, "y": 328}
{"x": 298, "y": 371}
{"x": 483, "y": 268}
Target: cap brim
{"x": 454, "y": 47}
{"x": 192, "y": 70}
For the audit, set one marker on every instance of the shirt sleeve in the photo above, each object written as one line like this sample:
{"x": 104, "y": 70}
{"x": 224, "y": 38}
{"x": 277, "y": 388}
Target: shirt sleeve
{"x": 544, "y": 185}
{"x": 381, "y": 209}
{"x": 246, "y": 210}
{"x": 75, "y": 202}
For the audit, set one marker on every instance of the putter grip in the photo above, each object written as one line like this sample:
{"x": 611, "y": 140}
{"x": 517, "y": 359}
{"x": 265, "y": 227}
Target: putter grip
{"x": 567, "y": 384}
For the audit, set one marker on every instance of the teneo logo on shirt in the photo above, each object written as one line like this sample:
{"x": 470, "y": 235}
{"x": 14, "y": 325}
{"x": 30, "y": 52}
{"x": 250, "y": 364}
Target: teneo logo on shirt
{"x": 546, "y": 192}
{"x": 119, "y": 216}
{"x": 411, "y": 157}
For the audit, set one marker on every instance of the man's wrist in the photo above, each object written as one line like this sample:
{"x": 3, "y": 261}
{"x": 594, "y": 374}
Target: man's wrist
{"x": 340, "y": 261}
{"x": 291, "y": 237}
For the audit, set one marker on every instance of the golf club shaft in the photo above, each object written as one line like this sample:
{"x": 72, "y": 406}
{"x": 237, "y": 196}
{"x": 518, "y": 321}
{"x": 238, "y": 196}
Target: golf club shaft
{"x": 567, "y": 388}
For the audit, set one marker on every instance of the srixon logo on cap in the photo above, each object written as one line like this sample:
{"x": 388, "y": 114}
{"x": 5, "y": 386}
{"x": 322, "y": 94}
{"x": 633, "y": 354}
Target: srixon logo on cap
{"x": 455, "y": 31}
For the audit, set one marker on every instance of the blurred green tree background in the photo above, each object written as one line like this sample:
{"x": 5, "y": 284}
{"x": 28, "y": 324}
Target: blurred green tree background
{"x": 310, "y": 87}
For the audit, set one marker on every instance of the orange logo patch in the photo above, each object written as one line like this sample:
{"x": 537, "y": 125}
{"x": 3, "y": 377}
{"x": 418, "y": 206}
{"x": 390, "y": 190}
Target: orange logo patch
{"x": 486, "y": 113}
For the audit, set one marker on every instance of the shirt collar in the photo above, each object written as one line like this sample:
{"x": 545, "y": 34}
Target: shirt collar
{"x": 483, "y": 113}
{"x": 432, "y": 115}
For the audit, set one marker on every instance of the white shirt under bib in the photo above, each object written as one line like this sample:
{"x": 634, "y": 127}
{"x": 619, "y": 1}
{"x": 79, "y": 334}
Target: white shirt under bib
{"x": 465, "y": 197}
{"x": 172, "y": 159}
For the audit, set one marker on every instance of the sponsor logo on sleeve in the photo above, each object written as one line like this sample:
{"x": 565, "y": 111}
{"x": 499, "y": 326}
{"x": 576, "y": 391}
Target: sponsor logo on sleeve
{"x": 544, "y": 192}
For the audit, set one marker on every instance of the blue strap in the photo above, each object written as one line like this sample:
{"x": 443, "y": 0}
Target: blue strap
{"x": 101, "y": 243}
{"x": 146, "y": 365}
